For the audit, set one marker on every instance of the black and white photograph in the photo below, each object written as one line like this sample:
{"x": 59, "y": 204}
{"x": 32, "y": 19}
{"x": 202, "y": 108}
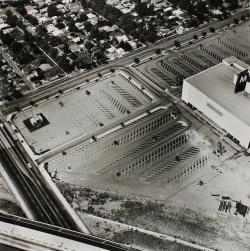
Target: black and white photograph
{"x": 124, "y": 125}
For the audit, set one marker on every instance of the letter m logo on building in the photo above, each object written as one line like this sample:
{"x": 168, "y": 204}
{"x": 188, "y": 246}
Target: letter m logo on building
{"x": 241, "y": 81}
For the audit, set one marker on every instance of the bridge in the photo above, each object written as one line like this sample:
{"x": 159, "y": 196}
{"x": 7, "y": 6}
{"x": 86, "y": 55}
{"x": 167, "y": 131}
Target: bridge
{"x": 20, "y": 234}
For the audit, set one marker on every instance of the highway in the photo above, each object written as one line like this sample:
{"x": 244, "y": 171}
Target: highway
{"x": 42, "y": 204}
{"x": 164, "y": 44}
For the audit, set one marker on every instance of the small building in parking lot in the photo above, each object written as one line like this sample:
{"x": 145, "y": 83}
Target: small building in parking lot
{"x": 221, "y": 95}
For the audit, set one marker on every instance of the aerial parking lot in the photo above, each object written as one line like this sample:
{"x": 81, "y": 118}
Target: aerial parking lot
{"x": 130, "y": 157}
{"x": 198, "y": 179}
{"x": 157, "y": 148}
{"x": 82, "y": 111}
{"x": 168, "y": 71}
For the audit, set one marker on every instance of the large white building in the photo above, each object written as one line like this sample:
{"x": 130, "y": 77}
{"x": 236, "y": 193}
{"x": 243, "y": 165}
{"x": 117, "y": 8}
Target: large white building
{"x": 221, "y": 94}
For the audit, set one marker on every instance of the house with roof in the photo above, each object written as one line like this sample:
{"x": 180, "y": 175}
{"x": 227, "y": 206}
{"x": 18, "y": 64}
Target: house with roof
{"x": 108, "y": 28}
{"x": 132, "y": 44}
{"x": 8, "y": 30}
{"x": 4, "y": 26}
{"x": 122, "y": 38}
{"x": 92, "y": 18}
{"x": 58, "y": 33}
{"x": 51, "y": 74}
{"x": 31, "y": 10}
{"x": 51, "y": 27}
{"x": 45, "y": 67}
{"x": 113, "y": 53}
{"x": 75, "y": 48}
{"x": 42, "y": 19}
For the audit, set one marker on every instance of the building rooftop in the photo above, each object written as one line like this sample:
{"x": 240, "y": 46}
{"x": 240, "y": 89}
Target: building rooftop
{"x": 217, "y": 83}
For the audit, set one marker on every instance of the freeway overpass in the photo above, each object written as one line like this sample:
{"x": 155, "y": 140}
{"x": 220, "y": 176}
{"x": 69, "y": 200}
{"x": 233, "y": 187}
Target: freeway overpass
{"x": 20, "y": 234}
{"x": 39, "y": 202}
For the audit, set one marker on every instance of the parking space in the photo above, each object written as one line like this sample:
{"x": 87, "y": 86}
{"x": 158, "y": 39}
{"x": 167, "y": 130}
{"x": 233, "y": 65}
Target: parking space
{"x": 156, "y": 148}
{"x": 82, "y": 111}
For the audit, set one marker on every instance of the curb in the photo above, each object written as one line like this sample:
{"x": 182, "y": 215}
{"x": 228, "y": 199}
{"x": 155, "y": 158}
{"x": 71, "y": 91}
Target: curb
{"x": 63, "y": 202}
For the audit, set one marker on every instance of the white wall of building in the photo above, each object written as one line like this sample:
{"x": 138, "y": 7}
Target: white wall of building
{"x": 217, "y": 113}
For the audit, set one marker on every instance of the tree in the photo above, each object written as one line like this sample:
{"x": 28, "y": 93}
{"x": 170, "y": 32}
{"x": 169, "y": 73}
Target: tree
{"x": 195, "y": 37}
{"x": 7, "y": 39}
{"x": 12, "y": 20}
{"x": 88, "y": 45}
{"x": 143, "y": 9}
{"x": 125, "y": 46}
{"x": 41, "y": 31}
{"x": 193, "y": 22}
{"x": 88, "y": 26}
{"x": 177, "y": 43}
{"x": 95, "y": 33}
{"x": 22, "y": 10}
{"x": 52, "y": 10}
{"x": 66, "y": 49}
{"x": 236, "y": 20}
{"x": 243, "y": 18}
{"x": 204, "y": 33}
{"x": 150, "y": 34}
{"x": 186, "y": 5}
{"x": 84, "y": 3}
{"x": 215, "y": 3}
{"x": 84, "y": 62}
{"x": 72, "y": 27}
{"x": 33, "y": 20}
{"x": 18, "y": 3}
{"x": 212, "y": 29}
{"x": 55, "y": 41}
{"x": 98, "y": 5}
{"x": 127, "y": 23}
{"x": 233, "y": 4}
{"x": 16, "y": 47}
{"x": 158, "y": 51}
{"x": 54, "y": 52}
{"x": 142, "y": 38}
{"x": 65, "y": 64}
{"x": 177, "y": 158}
{"x": 137, "y": 60}
{"x": 25, "y": 57}
{"x": 100, "y": 56}
{"x": 9, "y": 13}
{"x": 83, "y": 17}
{"x": 60, "y": 25}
